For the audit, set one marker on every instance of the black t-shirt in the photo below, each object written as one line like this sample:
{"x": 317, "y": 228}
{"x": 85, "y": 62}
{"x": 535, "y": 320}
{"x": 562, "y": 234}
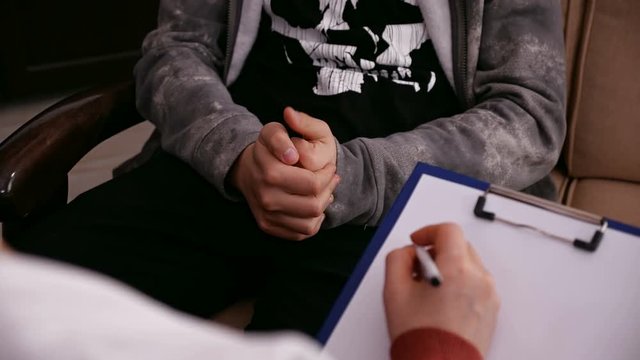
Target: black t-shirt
{"x": 368, "y": 67}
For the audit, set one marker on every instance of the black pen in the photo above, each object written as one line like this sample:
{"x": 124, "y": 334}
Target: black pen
{"x": 429, "y": 269}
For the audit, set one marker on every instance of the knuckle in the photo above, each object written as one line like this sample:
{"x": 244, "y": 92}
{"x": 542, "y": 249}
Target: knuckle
{"x": 491, "y": 290}
{"x": 309, "y": 229}
{"x": 466, "y": 273}
{"x": 314, "y": 163}
{"x": 316, "y": 208}
{"x": 298, "y": 237}
{"x": 267, "y": 133}
{"x": 263, "y": 224}
{"x": 392, "y": 256}
{"x": 464, "y": 270}
{"x": 273, "y": 128}
{"x": 266, "y": 201}
{"x": 315, "y": 186}
{"x": 265, "y": 129}
{"x": 457, "y": 259}
{"x": 270, "y": 177}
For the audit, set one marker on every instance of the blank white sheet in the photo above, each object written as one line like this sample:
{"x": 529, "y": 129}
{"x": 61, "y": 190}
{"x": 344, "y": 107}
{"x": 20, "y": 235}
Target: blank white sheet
{"x": 558, "y": 302}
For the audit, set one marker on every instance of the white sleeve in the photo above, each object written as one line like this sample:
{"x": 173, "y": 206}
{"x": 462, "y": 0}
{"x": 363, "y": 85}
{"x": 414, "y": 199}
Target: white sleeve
{"x": 54, "y": 311}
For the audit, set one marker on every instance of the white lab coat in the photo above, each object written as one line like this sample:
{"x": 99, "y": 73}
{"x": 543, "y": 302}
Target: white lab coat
{"x": 54, "y": 311}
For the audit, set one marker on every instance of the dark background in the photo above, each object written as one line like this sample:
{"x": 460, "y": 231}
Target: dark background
{"x": 66, "y": 44}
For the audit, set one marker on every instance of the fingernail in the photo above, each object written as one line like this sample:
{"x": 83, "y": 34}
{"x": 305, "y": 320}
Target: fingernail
{"x": 289, "y": 156}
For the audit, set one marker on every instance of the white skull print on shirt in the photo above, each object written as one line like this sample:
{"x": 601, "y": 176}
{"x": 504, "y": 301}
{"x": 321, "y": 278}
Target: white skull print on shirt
{"x": 366, "y": 67}
{"x": 354, "y": 41}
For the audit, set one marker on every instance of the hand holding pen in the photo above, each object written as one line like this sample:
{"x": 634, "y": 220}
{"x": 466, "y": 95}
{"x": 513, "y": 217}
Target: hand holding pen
{"x": 465, "y": 302}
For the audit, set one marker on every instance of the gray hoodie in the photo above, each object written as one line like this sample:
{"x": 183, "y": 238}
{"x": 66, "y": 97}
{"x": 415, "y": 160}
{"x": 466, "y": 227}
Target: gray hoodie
{"x": 504, "y": 58}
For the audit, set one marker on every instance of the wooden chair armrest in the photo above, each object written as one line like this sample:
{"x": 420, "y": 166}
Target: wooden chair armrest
{"x": 36, "y": 158}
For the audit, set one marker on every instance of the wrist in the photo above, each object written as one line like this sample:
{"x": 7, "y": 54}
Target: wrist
{"x": 234, "y": 177}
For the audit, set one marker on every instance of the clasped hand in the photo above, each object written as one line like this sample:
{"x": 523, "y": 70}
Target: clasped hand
{"x": 288, "y": 182}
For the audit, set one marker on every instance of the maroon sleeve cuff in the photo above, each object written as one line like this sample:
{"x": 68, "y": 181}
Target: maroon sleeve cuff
{"x": 432, "y": 344}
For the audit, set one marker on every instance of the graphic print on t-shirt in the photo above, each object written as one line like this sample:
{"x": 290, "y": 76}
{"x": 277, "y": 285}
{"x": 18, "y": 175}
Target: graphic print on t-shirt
{"x": 351, "y": 42}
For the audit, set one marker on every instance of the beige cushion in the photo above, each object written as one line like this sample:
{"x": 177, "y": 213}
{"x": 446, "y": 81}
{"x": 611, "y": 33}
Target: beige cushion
{"x": 616, "y": 200}
{"x": 574, "y": 21}
{"x": 604, "y": 116}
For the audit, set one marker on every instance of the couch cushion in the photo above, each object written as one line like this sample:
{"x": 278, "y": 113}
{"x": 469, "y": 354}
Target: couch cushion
{"x": 604, "y": 109}
{"x": 617, "y": 200}
{"x": 574, "y": 21}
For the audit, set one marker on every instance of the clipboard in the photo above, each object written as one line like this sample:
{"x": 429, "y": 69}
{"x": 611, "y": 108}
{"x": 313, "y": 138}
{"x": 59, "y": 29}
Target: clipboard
{"x": 568, "y": 280}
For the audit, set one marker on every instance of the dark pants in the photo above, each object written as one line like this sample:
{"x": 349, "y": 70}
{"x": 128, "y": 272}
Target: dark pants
{"x": 164, "y": 230}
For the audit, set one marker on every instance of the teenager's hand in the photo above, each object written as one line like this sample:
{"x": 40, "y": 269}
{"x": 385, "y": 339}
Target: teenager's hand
{"x": 466, "y": 303}
{"x": 287, "y": 201}
{"x": 316, "y": 145}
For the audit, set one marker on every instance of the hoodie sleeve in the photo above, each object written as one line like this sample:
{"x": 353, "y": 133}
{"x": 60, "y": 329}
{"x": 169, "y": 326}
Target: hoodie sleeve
{"x": 180, "y": 90}
{"x": 512, "y": 135}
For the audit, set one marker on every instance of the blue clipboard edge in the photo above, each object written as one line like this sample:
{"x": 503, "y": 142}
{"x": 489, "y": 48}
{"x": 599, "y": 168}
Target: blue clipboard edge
{"x": 381, "y": 234}
{"x": 385, "y": 228}
{"x": 630, "y": 229}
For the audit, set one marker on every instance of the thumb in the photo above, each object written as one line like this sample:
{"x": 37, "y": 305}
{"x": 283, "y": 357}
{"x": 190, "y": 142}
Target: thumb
{"x": 275, "y": 139}
{"x": 306, "y": 126}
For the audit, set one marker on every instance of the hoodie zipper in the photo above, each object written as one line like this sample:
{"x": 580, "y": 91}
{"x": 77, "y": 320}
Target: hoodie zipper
{"x": 232, "y": 24}
{"x": 460, "y": 56}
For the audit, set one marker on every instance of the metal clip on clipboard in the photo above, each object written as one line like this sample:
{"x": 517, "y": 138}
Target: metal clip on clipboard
{"x": 590, "y": 246}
